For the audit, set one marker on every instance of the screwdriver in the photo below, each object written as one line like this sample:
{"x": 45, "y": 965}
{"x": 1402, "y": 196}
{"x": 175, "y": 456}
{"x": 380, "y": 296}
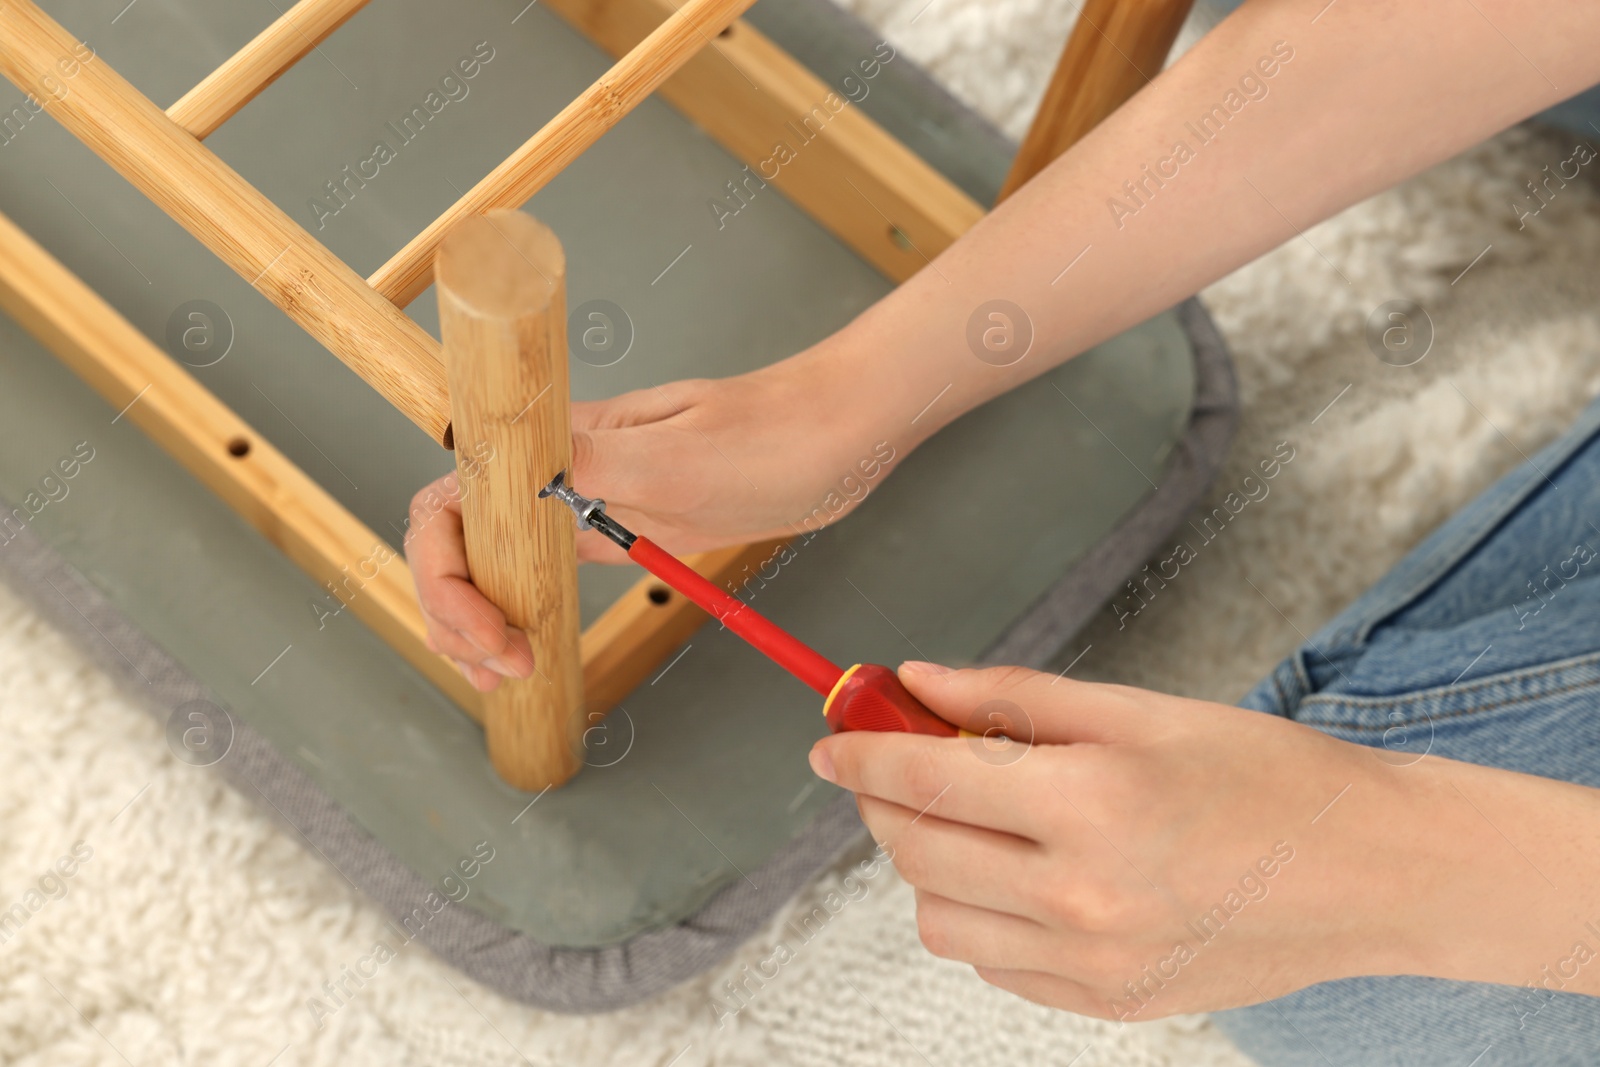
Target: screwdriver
{"x": 868, "y": 696}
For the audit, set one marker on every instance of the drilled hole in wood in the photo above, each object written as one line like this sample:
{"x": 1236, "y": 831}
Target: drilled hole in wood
{"x": 238, "y": 448}
{"x": 660, "y": 594}
{"x": 900, "y": 240}
{"x": 727, "y": 32}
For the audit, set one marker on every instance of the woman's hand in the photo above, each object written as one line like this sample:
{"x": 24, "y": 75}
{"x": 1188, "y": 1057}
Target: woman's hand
{"x": 692, "y": 464}
{"x": 1150, "y": 854}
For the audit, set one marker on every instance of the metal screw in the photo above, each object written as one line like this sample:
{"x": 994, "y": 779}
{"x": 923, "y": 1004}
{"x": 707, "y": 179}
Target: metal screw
{"x": 581, "y": 506}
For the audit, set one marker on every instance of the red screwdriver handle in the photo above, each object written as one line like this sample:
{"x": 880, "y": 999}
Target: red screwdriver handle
{"x": 870, "y": 697}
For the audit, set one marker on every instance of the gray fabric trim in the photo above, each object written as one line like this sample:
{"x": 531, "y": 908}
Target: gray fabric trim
{"x": 613, "y": 976}
{"x": 1067, "y": 606}
{"x": 561, "y": 979}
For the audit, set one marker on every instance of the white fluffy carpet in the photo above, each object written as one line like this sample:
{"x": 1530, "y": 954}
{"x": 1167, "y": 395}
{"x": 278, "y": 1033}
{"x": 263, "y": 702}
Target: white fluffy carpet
{"x": 196, "y": 929}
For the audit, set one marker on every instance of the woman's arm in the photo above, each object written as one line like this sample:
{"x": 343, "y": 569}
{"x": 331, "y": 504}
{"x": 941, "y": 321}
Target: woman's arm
{"x": 1329, "y": 103}
{"x": 1153, "y": 854}
{"x": 1361, "y": 95}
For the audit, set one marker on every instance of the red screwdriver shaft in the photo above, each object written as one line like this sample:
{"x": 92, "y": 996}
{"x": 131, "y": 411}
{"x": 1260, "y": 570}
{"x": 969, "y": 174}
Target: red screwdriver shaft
{"x": 866, "y": 697}
{"x": 788, "y": 651}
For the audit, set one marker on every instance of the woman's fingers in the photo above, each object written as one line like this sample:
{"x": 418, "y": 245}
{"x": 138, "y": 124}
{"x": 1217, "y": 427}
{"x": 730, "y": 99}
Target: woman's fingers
{"x": 1050, "y": 990}
{"x": 946, "y": 777}
{"x": 462, "y": 623}
{"x": 1027, "y": 705}
{"x": 481, "y": 678}
{"x": 981, "y": 868}
{"x": 956, "y": 930}
{"x": 596, "y": 547}
{"x": 511, "y": 658}
{"x": 617, "y": 443}
{"x": 630, "y": 408}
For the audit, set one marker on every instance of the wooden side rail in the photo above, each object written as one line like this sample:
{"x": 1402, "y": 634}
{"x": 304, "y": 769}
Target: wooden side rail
{"x": 843, "y": 169}
{"x": 577, "y": 126}
{"x": 1116, "y": 47}
{"x": 336, "y": 549}
{"x": 228, "y": 215}
{"x": 258, "y": 64}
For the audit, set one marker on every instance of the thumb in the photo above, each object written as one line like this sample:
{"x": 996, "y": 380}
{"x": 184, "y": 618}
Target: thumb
{"x": 1025, "y": 705}
{"x": 604, "y": 466}
{"x": 605, "y": 455}
{"x": 596, "y": 469}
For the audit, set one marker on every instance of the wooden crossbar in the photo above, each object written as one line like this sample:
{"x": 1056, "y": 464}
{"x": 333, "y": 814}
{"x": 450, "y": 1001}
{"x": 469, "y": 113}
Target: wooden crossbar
{"x": 227, "y": 214}
{"x": 564, "y": 138}
{"x": 843, "y": 169}
{"x": 258, "y": 64}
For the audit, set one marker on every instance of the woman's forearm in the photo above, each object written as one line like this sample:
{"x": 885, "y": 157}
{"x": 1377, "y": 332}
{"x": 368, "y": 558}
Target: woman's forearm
{"x": 1284, "y": 114}
{"x": 1504, "y": 879}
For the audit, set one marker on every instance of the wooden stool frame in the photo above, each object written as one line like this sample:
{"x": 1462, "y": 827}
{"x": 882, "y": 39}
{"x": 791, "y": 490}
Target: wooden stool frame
{"x": 869, "y": 190}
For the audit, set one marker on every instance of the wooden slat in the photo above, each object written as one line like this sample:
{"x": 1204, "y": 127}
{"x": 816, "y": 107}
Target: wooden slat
{"x": 258, "y": 64}
{"x": 229, "y": 216}
{"x": 203, "y": 434}
{"x": 1114, "y": 50}
{"x": 577, "y": 126}
{"x": 853, "y": 177}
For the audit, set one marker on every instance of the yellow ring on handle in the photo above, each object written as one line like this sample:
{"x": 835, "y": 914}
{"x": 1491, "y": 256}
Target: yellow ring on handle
{"x": 843, "y": 678}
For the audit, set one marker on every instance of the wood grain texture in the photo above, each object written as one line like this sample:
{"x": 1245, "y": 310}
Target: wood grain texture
{"x": 1115, "y": 49}
{"x": 577, "y": 126}
{"x": 258, "y": 64}
{"x": 229, "y": 216}
{"x": 502, "y": 313}
{"x": 843, "y": 169}
{"x": 352, "y": 563}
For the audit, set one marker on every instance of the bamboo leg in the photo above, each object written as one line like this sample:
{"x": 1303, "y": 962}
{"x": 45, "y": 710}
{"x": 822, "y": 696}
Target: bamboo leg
{"x": 1114, "y": 50}
{"x": 502, "y": 312}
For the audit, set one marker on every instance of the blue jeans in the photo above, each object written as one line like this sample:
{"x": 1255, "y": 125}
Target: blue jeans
{"x": 1482, "y": 644}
